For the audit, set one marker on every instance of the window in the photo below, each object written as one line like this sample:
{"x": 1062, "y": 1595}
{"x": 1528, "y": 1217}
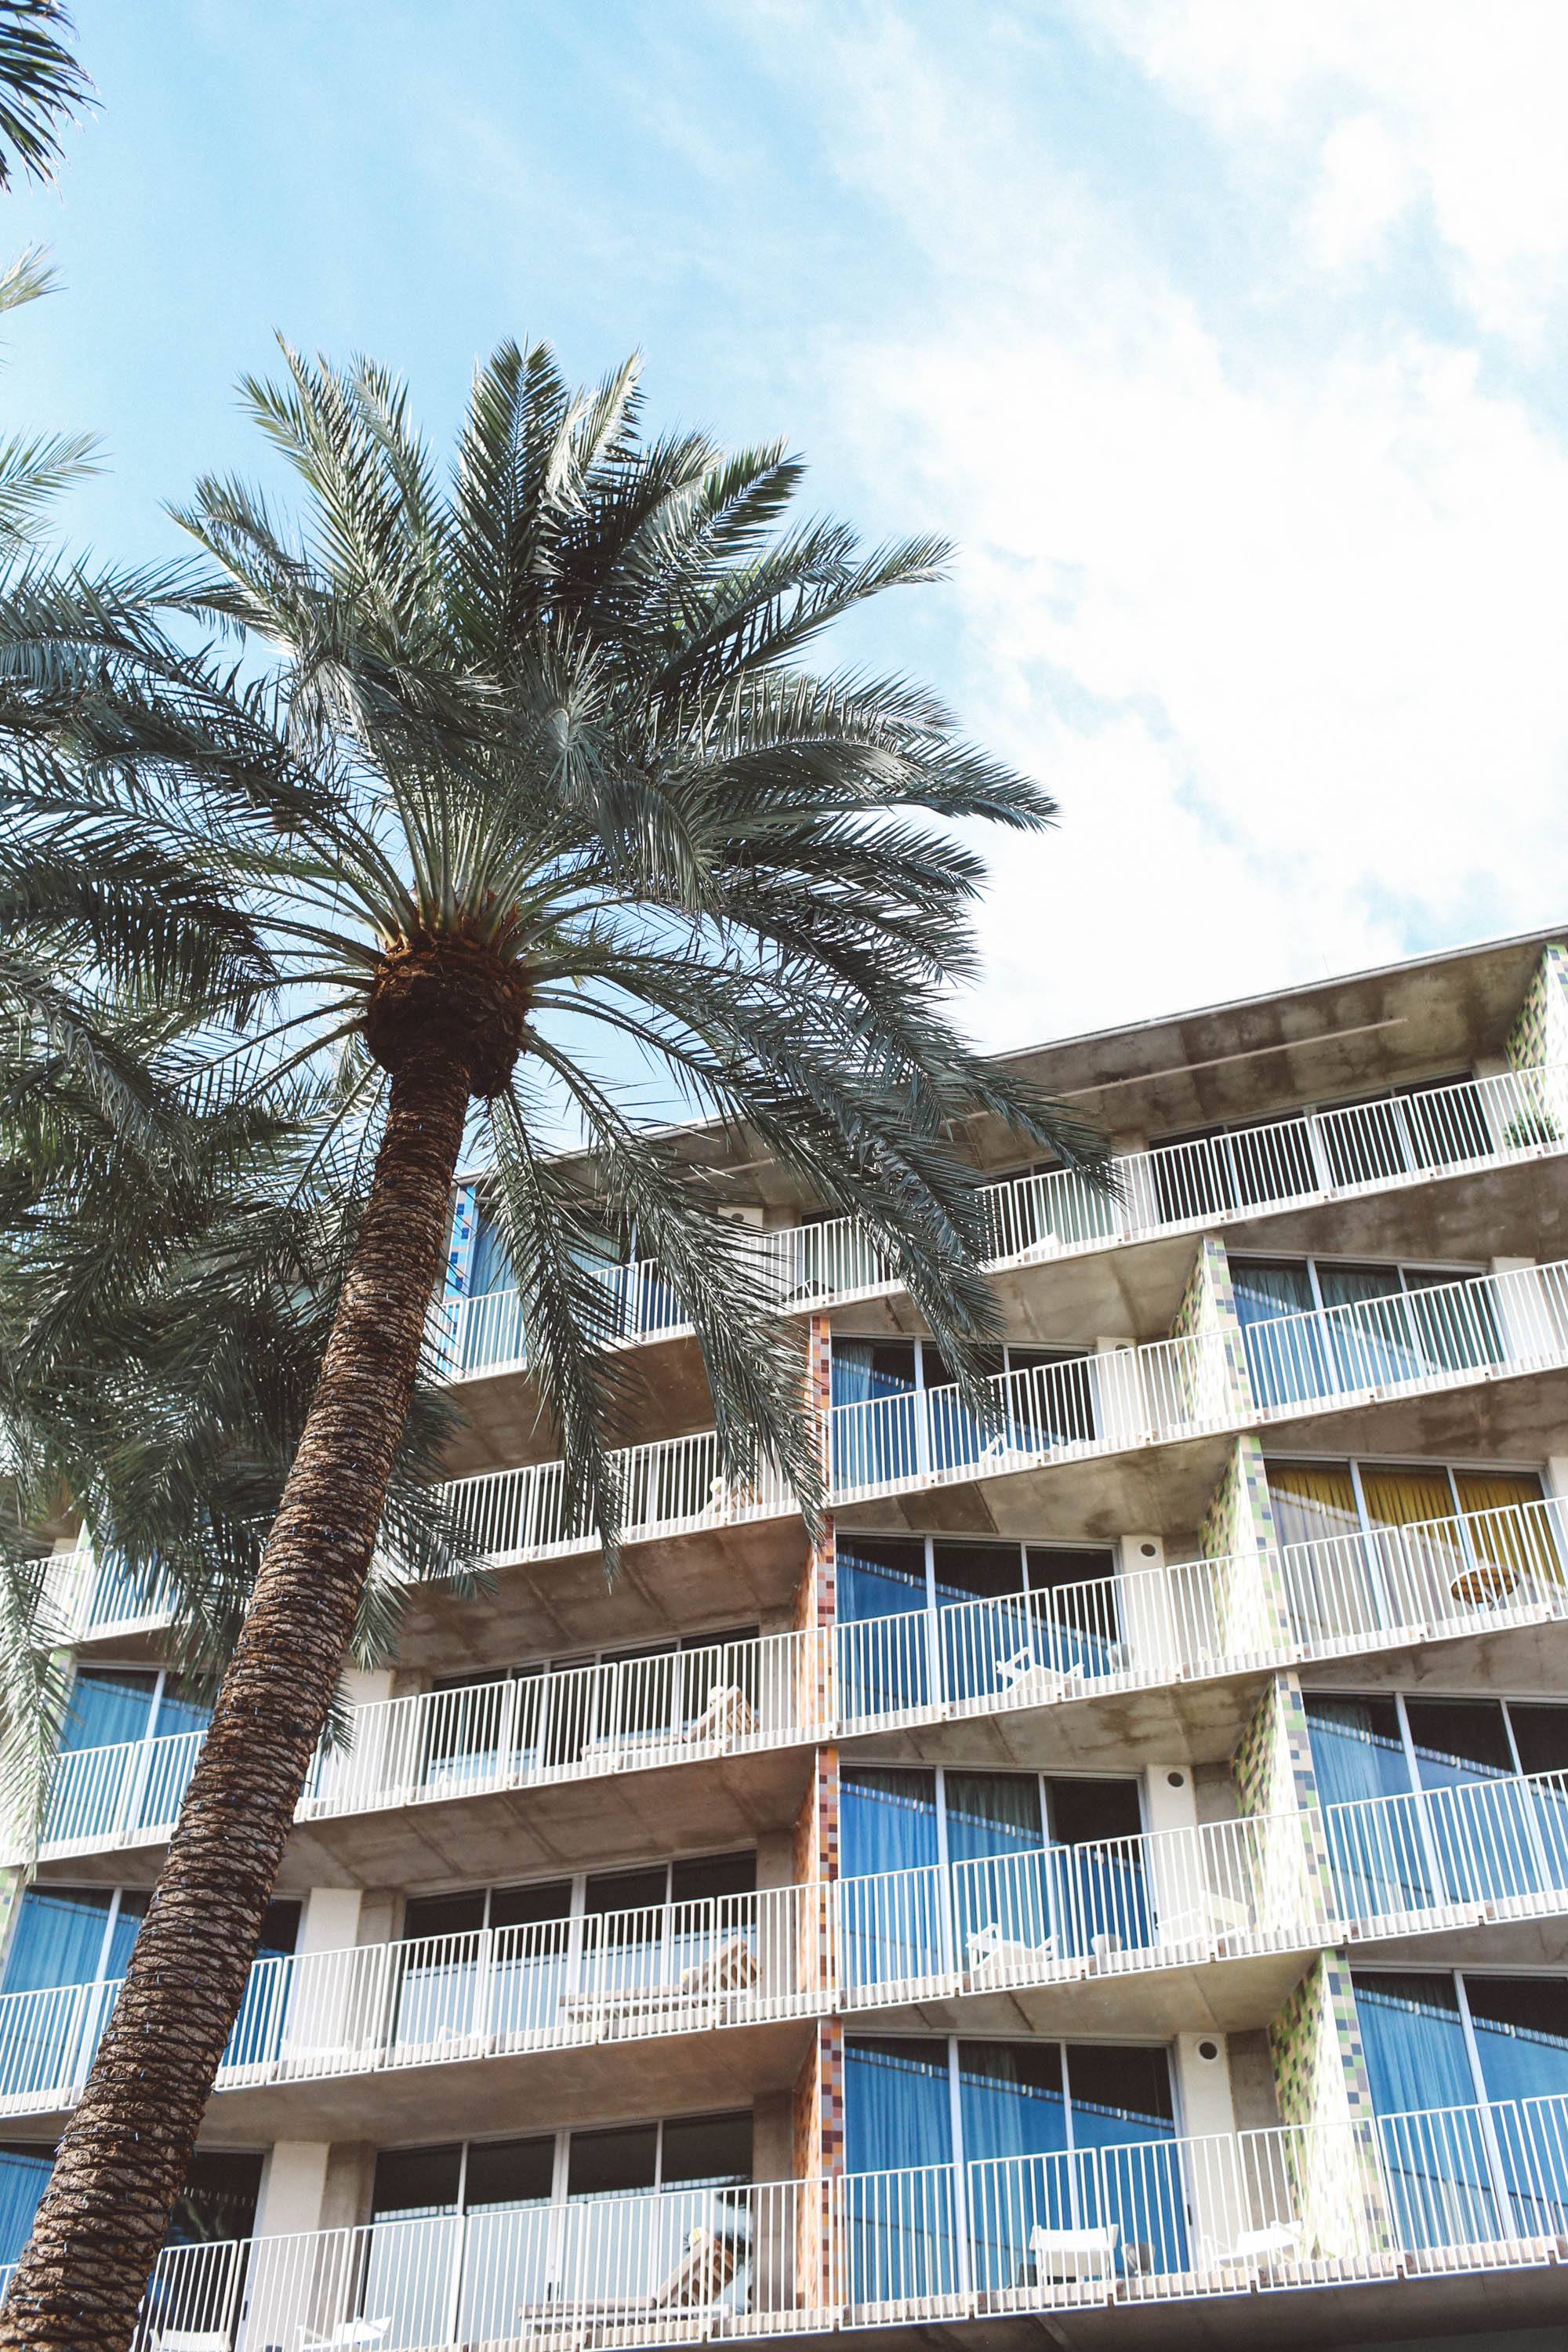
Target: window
{"x": 1467, "y": 2071}
{"x": 510, "y": 1723}
{"x": 1371, "y": 1546}
{"x": 1320, "y": 1327}
{"x": 1440, "y": 1801}
{"x": 939, "y": 1866}
{"x": 1024, "y": 2125}
{"x": 909, "y": 1419}
{"x": 511, "y": 1962}
{"x": 999, "y": 1621}
{"x": 217, "y": 2202}
{"x": 532, "y": 2237}
{"x": 80, "y": 1937}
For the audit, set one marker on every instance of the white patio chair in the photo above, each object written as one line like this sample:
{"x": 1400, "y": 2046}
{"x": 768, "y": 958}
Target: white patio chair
{"x": 1065, "y": 2256}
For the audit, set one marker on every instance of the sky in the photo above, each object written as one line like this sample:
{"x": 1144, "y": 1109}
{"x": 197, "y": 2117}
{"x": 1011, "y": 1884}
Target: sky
{"x": 1227, "y": 341}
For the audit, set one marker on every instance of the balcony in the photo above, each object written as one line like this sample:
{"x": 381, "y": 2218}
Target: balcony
{"x": 1215, "y": 2220}
{"x": 1347, "y": 1154}
{"x": 735, "y": 1703}
{"x": 1064, "y": 1937}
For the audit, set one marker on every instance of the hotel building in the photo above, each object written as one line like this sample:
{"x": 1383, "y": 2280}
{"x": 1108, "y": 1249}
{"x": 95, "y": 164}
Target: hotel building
{"x": 1112, "y": 1889}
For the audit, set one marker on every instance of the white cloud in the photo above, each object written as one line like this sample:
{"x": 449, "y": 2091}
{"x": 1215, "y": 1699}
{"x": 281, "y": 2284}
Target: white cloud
{"x": 1274, "y": 598}
{"x": 1460, "y": 103}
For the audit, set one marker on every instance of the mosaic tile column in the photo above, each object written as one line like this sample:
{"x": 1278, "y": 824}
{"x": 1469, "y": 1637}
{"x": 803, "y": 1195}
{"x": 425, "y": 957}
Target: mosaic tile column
{"x": 1218, "y": 1387}
{"x": 1539, "y": 1036}
{"x": 818, "y": 2106}
{"x": 1294, "y": 1894}
{"x": 1252, "y": 1609}
{"x": 1324, "y": 2096}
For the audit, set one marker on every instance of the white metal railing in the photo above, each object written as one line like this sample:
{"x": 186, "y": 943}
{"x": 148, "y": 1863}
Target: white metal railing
{"x": 1330, "y": 1155}
{"x": 1434, "y": 1579}
{"x": 484, "y": 1334}
{"x": 1441, "y": 1336}
{"x": 129, "y": 1794}
{"x": 1492, "y": 1849}
{"x": 1043, "y": 1916}
{"x": 1055, "y": 1913}
{"x": 87, "y": 1598}
{"x": 1155, "y": 2219}
{"x": 545, "y": 1984}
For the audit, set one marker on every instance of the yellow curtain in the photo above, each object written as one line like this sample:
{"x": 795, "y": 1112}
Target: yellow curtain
{"x": 1513, "y": 1541}
{"x": 1401, "y": 1497}
{"x": 1311, "y": 1500}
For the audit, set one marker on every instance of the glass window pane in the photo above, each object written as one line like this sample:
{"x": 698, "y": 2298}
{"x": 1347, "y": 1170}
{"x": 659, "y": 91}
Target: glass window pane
{"x": 976, "y": 1571}
{"x": 1357, "y": 1750}
{"x": 442, "y": 1915}
{"x": 1312, "y": 1502}
{"x": 108, "y": 1703}
{"x": 1010, "y": 2099}
{"x": 888, "y": 1820}
{"x": 993, "y": 1812}
{"x": 871, "y": 1368}
{"x": 1083, "y": 1812}
{"x": 180, "y": 1709}
{"x": 1540, "y": 1735}
{"x": 219, "y": 2200}
{"x": 605, "y": 2163}
{"x": 625, "y": 1890}
{"x": 133, "y": 1901}
{"x": 280, "y": 1928}
{"x": 713, "y": 1875}
{"x": 414, "y": 2180}
{"x": 878, "y": 1576}
{"x": 519, "y": 1907}
{"x": 1118, "y": 2094}
{"x": 1458, "y": 1740}
{"x": 58, "y": 1938}
{"x": 509, "y": 2173}
{"x": 1521, "y": 2034}
{"x": 897, "y": 2109}
{"x": 1415, "y": 2041}
{"x": 24, "y": 2177}
{"x": 1509, "y": 1541}
{"x": 709, "y": 2148}
{"x": 1402, "y": 1498}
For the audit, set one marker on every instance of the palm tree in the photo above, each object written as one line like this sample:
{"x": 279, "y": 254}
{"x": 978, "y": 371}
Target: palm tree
{"x": 534, "y": 797}
{"x": 41, "y": 86}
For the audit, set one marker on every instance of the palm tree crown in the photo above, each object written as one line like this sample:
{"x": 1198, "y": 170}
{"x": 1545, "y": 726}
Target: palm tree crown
{"x": 554, "y": 790}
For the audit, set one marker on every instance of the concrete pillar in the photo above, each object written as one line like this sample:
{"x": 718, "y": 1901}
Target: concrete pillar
{"x": 1216, "y": 2180}
{"x": 332, "y": 2004}
{"x": 1149, "y": 1627}
{"x": 1526, "y": 1325}
{"x": 1242, "y": 1605}
{"x": 292, "y": 2187}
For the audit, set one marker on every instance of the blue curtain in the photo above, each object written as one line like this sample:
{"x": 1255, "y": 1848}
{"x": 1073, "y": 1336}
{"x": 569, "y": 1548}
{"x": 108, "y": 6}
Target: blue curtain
{"x": 1381, "y": 1859}
{"x": 1284, "y": 1364}
{"x": 23, "y": 2176}
{"x": 1420, "y": 2069}
{"x": 892, "y": 1930}
{"x": 58, "y": 1938}
{"x": 107, "y": 1705}
{"x": 903, "y": 2232}
{"x": 178, "y": 1711}
{"x": 993, "y": 1812}
{"x": 882, "y": 1667}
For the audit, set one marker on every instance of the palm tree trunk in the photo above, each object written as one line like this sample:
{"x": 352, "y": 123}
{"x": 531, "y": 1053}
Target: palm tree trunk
{"x": 124, "y": 2157}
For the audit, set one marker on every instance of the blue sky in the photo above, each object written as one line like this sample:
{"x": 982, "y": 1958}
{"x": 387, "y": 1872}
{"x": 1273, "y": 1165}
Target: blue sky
{"x": 1227, "y": 340}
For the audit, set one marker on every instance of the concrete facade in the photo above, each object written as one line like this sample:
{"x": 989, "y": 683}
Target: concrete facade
{"x": 1194, "y": 1686}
